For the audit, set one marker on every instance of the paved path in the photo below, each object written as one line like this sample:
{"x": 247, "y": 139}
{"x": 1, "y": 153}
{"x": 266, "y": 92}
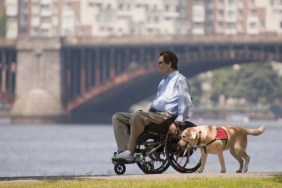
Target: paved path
{"x": 196, "y": 175}
{"x": 145, "y": 176}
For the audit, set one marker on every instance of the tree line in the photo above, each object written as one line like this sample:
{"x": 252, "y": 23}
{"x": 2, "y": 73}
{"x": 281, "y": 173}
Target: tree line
{"x": 2, "y": 23}
{"x": 257, "y": 83}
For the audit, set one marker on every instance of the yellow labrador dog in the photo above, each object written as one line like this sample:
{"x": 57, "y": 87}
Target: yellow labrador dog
{"x": 215, "y": 139}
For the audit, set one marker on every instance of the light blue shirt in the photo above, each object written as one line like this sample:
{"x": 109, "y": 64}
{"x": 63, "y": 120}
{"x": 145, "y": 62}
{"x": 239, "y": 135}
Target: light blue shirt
{"x": 174, "y": 96}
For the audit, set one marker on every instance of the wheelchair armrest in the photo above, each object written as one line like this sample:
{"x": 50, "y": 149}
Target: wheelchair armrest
{"x": 187, "y": 125}
{"x": 161, "y": 128}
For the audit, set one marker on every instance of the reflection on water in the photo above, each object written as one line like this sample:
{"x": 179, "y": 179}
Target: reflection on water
{"x": 29, "y": 150}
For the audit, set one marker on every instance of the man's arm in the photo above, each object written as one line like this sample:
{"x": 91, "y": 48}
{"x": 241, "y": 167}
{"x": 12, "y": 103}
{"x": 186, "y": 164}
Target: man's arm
{"x": 184, "y": 101}
{"x": 184, "y": 104}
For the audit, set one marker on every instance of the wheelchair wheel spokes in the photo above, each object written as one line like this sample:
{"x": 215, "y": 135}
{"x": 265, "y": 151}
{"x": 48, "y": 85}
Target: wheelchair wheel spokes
{"x": 153, "y": 159}
{"x": 186, "y": 163}
{"x": 181, "y": 160}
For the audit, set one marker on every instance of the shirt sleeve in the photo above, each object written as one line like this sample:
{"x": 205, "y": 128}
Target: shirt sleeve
{"x": 184, "y": 100}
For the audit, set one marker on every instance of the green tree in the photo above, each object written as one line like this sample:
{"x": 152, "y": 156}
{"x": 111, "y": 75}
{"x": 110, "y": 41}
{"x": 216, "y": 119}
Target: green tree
{"x": 258, "y": 83}
{"x": 196, "y": 91}
{"x": 3, "y": 21}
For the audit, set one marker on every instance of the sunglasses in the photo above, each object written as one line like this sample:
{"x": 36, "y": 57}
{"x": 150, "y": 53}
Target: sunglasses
{"x": 161, "y": 62}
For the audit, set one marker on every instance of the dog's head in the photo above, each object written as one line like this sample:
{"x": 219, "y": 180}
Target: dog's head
{"x": 188, "y": 138}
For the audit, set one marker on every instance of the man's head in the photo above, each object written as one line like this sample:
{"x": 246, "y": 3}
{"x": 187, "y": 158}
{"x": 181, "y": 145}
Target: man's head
{"x": 168, "y": 61}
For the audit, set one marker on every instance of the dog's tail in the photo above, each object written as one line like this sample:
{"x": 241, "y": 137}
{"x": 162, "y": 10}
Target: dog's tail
{"x": 255, "y": 132}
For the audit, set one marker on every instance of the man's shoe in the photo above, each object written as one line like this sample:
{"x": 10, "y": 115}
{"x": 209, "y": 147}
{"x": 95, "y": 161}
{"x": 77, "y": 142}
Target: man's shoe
{"x": 115, "y": 154}
{"x": 123, "y": 156}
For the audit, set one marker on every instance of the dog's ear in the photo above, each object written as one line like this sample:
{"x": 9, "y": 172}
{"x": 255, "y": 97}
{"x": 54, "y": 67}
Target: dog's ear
{"x": 192, "y": 135}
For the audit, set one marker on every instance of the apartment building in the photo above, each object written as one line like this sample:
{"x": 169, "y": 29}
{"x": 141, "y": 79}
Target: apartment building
{"x": 2, "y": 5}
{"x": 48, "y": 17}
{"x": 42, "y": 17}
{"x": 141, "y": 17}
{"x": 232, "y": 17}
{"x": 134, "y": 17}
{"x": 11, "y": 10}
{"x": 270, "y": 12}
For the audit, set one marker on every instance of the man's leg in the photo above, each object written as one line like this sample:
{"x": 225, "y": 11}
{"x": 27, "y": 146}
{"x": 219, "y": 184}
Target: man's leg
{"x": 120, "y": 120}
{"x": 139, "y": 120}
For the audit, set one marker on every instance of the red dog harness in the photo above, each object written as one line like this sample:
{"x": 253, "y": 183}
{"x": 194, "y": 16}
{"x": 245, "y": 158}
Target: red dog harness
{"x": 221, "y": 134}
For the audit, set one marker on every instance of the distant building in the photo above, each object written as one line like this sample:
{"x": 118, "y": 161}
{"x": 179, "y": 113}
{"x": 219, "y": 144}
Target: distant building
{"x": 48, "y": 17}
{"x": 270, "y": 12}
{"x": 2, "y": 7}
{"x": 234, "y": 16}
{"x": 135, "y": 17}
{"x": 12, "y": 18}
{"x": 141, "y": 17}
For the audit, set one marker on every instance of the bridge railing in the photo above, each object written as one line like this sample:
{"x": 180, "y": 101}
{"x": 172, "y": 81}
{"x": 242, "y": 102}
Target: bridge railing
{"x": 90, "y": 70}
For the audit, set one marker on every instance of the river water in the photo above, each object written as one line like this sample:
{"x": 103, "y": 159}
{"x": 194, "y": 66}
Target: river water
{"x": 51, "y": 150}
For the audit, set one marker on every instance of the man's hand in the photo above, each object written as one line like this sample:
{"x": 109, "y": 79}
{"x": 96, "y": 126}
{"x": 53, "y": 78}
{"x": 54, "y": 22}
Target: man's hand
{"x": 173, "y": 128}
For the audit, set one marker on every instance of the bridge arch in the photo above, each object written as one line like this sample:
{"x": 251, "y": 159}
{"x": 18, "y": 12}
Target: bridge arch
{"x": 199, "y": 56}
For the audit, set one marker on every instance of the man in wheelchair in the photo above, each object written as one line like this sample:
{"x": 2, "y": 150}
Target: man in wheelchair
{"x": 172, "y": 104}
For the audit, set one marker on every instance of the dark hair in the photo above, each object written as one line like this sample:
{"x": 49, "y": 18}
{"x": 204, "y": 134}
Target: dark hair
{"x": 170, "y": 57}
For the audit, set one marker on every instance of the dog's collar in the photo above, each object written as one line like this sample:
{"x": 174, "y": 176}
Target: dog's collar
{"x": 199, "y": 139}
{"x": 187, "y": 142}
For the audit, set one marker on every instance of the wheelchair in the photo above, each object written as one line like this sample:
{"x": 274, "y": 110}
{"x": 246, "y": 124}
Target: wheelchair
{"x": 157, "y": 150}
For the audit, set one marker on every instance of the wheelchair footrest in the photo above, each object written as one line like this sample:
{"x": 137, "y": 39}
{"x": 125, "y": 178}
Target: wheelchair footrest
{"x": 122, "y": 161}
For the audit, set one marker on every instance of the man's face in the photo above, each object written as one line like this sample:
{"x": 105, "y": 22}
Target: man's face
{"x": 164, "y": 68}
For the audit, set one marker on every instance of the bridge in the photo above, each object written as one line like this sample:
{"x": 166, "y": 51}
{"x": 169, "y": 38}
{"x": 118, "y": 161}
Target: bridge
{"x": 87, "y": 79}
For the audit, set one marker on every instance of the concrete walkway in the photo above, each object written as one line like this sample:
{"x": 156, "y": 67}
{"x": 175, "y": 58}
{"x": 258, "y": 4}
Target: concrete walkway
{"x": 145, "y": 176}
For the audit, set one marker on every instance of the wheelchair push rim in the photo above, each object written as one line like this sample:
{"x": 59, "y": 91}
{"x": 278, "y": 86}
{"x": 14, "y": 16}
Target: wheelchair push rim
{"x": 181, "y": 160}
{"x": 153, "y": 159}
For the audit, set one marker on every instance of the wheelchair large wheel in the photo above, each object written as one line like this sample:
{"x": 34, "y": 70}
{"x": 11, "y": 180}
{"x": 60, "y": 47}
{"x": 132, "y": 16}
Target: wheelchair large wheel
{"x": 181, "y": 160}
{"x": 153, "y": 159}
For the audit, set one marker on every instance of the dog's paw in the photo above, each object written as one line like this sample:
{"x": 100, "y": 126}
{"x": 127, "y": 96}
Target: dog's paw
{"x": 245, "y": 170}
{"x": 223, "y": 171}
{"x": 199, "y": 171}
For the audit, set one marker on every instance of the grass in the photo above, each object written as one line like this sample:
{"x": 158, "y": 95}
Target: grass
{"x": 238, "y": 182}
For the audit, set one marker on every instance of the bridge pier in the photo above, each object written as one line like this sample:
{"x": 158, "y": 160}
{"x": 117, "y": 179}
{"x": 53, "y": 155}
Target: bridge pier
{"x": 38, "y": 82}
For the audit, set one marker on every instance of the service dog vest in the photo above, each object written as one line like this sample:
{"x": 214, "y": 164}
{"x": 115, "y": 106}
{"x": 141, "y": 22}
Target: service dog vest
{"x": 221, "y": 134}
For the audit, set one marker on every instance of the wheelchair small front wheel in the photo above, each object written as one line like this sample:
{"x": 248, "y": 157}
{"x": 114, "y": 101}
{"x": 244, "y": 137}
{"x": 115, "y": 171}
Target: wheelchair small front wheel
{"x": 120, "y": 169}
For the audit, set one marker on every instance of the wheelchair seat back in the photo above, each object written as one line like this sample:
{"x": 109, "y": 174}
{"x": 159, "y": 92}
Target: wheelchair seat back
{"x": 161, "y": 128}
{"x": 155, "y": 131}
